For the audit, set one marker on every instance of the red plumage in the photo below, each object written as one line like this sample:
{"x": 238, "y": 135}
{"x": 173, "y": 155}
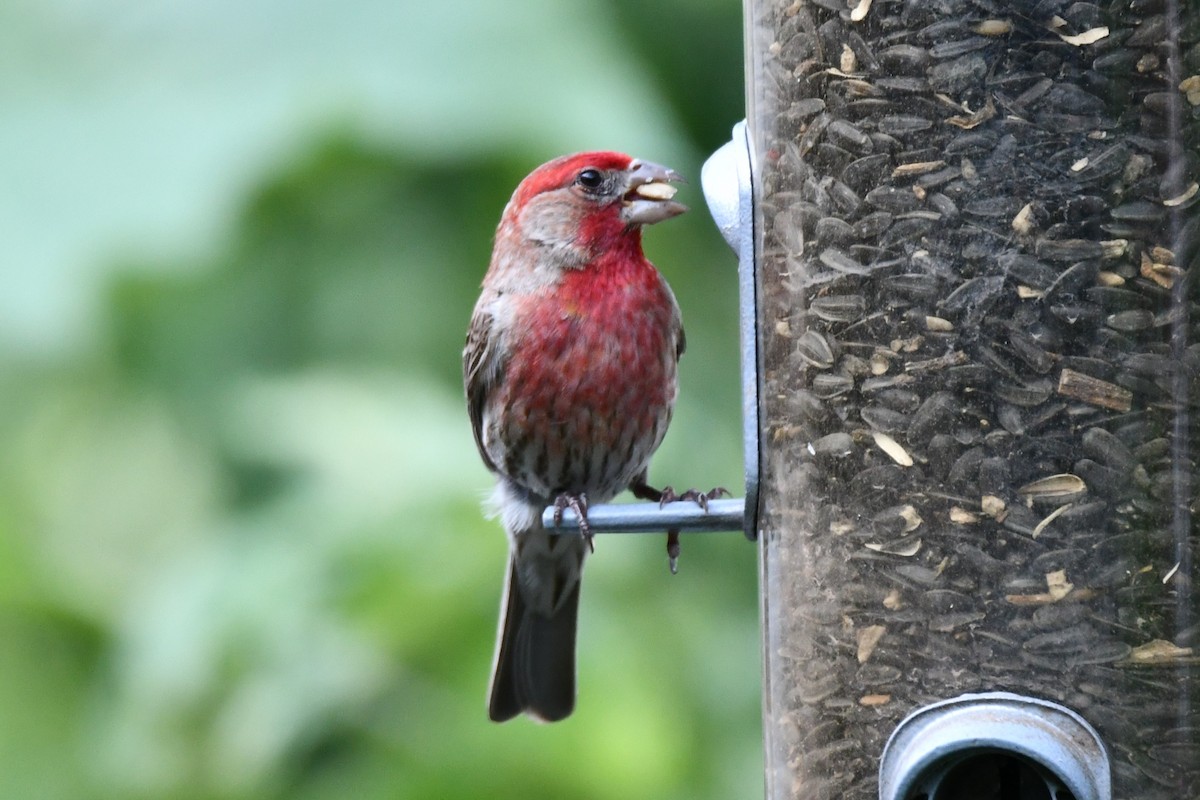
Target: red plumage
{"x": 570, "y": 373}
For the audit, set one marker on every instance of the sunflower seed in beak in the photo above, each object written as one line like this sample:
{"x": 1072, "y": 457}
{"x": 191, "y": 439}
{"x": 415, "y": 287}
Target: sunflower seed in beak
{"x": 655, "y": 190}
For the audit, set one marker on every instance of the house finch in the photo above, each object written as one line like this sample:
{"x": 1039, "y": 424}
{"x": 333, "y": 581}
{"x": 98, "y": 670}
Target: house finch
{"x": 570, "y": 373}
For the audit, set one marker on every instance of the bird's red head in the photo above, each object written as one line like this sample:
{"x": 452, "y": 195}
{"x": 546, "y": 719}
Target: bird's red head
{"x": 591, "y": 200}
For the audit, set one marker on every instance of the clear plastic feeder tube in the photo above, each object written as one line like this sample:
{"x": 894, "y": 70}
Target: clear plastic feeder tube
{"x": 979, "y": 306}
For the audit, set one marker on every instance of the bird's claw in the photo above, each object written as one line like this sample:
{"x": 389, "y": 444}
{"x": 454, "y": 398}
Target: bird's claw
{"x": 701, "y": 499}
{"x": 579, "y": 504}
{"x": 644, "y": 491}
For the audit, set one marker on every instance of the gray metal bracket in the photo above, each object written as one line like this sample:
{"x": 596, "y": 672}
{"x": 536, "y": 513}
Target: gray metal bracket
{"x": 682, "y": 515}
{"x": 726, "y": 179}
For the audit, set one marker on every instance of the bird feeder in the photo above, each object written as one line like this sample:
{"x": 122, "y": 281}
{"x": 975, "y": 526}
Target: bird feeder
{"x": 969, "y": 245}
{"x": 973, "y": 261}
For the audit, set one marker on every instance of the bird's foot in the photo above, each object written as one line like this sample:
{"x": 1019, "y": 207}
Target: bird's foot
{"x": 668, "y": 495}
{"x": 644, "y": 491}
{"x": 579, "y": 504}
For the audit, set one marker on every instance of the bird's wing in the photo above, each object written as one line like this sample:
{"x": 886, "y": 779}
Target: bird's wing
{"x": 676, "y": 319}
{"x": 481, "y": 372}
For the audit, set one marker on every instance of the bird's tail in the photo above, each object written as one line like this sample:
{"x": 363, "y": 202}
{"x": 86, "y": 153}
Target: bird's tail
{"x": 534, "y": 669}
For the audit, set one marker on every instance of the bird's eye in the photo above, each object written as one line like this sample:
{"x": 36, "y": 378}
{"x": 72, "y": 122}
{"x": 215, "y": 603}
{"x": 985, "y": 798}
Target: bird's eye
{"x": 590, "y": 179}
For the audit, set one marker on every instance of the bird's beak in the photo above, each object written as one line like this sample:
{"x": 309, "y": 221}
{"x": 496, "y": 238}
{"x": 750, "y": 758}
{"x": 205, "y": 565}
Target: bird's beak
{"x": 648, "y": 193}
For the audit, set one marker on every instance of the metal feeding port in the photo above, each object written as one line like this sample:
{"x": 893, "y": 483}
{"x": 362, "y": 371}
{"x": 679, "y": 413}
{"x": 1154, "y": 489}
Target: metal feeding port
{"x": 726, "y": 180}
{"x": 998, "y": 745}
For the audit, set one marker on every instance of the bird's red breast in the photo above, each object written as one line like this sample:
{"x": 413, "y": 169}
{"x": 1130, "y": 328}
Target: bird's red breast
{"x": 588, "y": 393}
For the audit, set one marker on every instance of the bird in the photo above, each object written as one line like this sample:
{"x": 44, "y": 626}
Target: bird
{"x": 570, "y": 372}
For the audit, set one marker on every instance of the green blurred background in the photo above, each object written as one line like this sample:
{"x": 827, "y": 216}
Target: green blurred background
{"x": 241, "y": 548}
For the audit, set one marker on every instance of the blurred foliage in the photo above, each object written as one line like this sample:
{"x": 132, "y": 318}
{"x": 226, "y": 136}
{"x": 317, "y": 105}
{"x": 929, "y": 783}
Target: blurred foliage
{"x": 241, "y": 548}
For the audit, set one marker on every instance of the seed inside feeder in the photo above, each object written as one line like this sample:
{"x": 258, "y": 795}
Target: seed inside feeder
{"x": 980, "y": 231}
